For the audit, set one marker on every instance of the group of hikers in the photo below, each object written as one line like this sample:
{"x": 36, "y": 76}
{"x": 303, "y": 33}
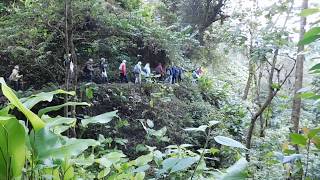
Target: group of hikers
{"x": 172, "y": 74}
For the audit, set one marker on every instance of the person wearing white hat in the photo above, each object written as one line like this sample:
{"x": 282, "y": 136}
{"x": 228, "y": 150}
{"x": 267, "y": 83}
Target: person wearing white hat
{"x": 137, "y": 73}
{"x": 15, "y": 77}
{"x": 88, "y": 70}
{"x": 103, "y": 69}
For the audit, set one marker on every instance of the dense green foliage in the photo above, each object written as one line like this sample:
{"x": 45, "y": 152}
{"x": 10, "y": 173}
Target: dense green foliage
{"x": 196, "y": 129}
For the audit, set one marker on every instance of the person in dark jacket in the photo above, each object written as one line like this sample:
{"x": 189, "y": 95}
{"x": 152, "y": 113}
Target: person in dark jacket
{"x": 180, "y": 74}
{"x": 174, "y": 72}
{"x": 88, "y": 70}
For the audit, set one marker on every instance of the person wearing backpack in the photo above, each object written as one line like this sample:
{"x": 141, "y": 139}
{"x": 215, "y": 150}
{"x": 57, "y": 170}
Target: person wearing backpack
{"x": 174, "y": 72}
{"x": 137, "y": 73}
{"x": 160, "y": 71}
{"x": 180, "y": 74}
{"x": 14, "y": 78}
{"x": 168, "y": 75}
{"x": 123, "y": 71}
{"x": 103, "y": 70}
{"x": 88, "y": 70}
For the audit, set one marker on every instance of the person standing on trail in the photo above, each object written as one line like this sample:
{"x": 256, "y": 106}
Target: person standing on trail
{"x": 160, "y": 71}
{"x": 180, "y": 74}
{"x": 88, "y": 70}
{"x": 69, "y": 67}
{"x": 15, "y": 77}
{"x": 137, "y": 73}
{"x": 123, "y": 71}
{"x": 147, "y": 70}
{"x": 103, "y": 70}
{"x": 199, "y": 71}
{"x": 174, "y": 72}
{"x": 169, "y": 75}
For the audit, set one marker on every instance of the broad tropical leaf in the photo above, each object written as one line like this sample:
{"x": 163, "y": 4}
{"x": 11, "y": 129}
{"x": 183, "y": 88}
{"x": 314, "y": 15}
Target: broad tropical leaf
{"x": 298, "y": 139}
{"x": 315, "y": 67}
{"x": 102, "y": 118}
{"x": 312, "y": 35}
{"x": 59, "y": 124}
{"x": 200, "y": 128}
{"x": 13, "y": 148}
{"x": 46, "y": 144}
{"x": 184, "y": 164}
{"x": 308, "y": 12}
{"x": 178, "y": 164}
{"x": 31, "y": 101}
{"x": 228, "y": 142}
{"x": 36, "y": 122}
{"x": 56, "y": 108}
{"x": 236, "y": 171}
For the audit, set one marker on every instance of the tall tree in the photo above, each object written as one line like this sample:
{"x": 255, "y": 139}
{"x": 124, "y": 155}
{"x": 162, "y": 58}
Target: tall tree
{"x": 202, "y": 14}
{"x": 296, "y": 106}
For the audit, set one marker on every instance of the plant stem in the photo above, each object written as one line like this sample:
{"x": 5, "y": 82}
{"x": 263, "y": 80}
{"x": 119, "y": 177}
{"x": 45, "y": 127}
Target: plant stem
{"x": 307, "y": 163}
{"x": 203, "y": 152}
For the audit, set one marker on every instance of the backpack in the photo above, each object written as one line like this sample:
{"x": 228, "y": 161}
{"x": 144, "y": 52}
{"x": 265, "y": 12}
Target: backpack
{"x": 136, "y": 69}
{"x": 85, "y": 69}
{"x": 169, "y": 72}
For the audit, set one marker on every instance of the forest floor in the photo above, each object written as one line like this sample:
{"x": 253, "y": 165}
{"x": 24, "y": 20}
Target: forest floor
{"x": 138, "y": 106}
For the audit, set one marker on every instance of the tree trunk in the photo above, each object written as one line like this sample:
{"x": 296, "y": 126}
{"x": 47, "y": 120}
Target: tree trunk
{"x": 296, "y": 106}
{"x": 75, "y": 69}
{"x": 270, "y": 97}
{"x": 248, "y": 85}
{"x": 258, "y": 98}
{"x": 66, "y": 108}
{"x": 251, "y": 68}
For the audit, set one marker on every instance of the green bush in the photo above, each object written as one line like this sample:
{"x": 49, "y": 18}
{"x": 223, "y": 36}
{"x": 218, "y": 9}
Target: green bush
{"x": 205, "y": 83}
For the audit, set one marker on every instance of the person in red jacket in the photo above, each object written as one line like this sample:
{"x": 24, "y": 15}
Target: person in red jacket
{"x": 123, "y": 71}
{"x": 160, "y": 71}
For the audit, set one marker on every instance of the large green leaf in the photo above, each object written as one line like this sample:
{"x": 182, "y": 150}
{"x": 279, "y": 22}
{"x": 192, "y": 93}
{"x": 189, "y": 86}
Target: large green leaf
{"x": 184, "y": 164}
{"x": 315, "y": 67}
{"x": 12, "y": 148}
{"x": 228, "y": 142}
{"x": 114, "y": 157}
{"x": 4, "y": 119}
{"x": 31, "y": 101}
{"x": 178, "y": 164}
{"x": 312, "y": 35}
{"x": 36, "y": 122}
{"x": 169, "y": 163}
{"x": 309, "y": 95}
{"x": 56, "y": 108}
{"x": 309, "y": 11}
{"x": 46, "y": 144}
{"x": 236, "y": 171}
{"x": 313, "y": 132}
{"x": 143, "y": 160}
{"x": 59, "y": 124}
{"x": 102, "y": 118}
{"x": 200, "y": 128}
{"x": 298, "y": 139}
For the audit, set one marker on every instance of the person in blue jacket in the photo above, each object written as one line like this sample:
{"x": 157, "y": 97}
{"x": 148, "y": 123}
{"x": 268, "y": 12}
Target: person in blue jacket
{"x": 175, "y": 73}
{"x": 180, "y": 74}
